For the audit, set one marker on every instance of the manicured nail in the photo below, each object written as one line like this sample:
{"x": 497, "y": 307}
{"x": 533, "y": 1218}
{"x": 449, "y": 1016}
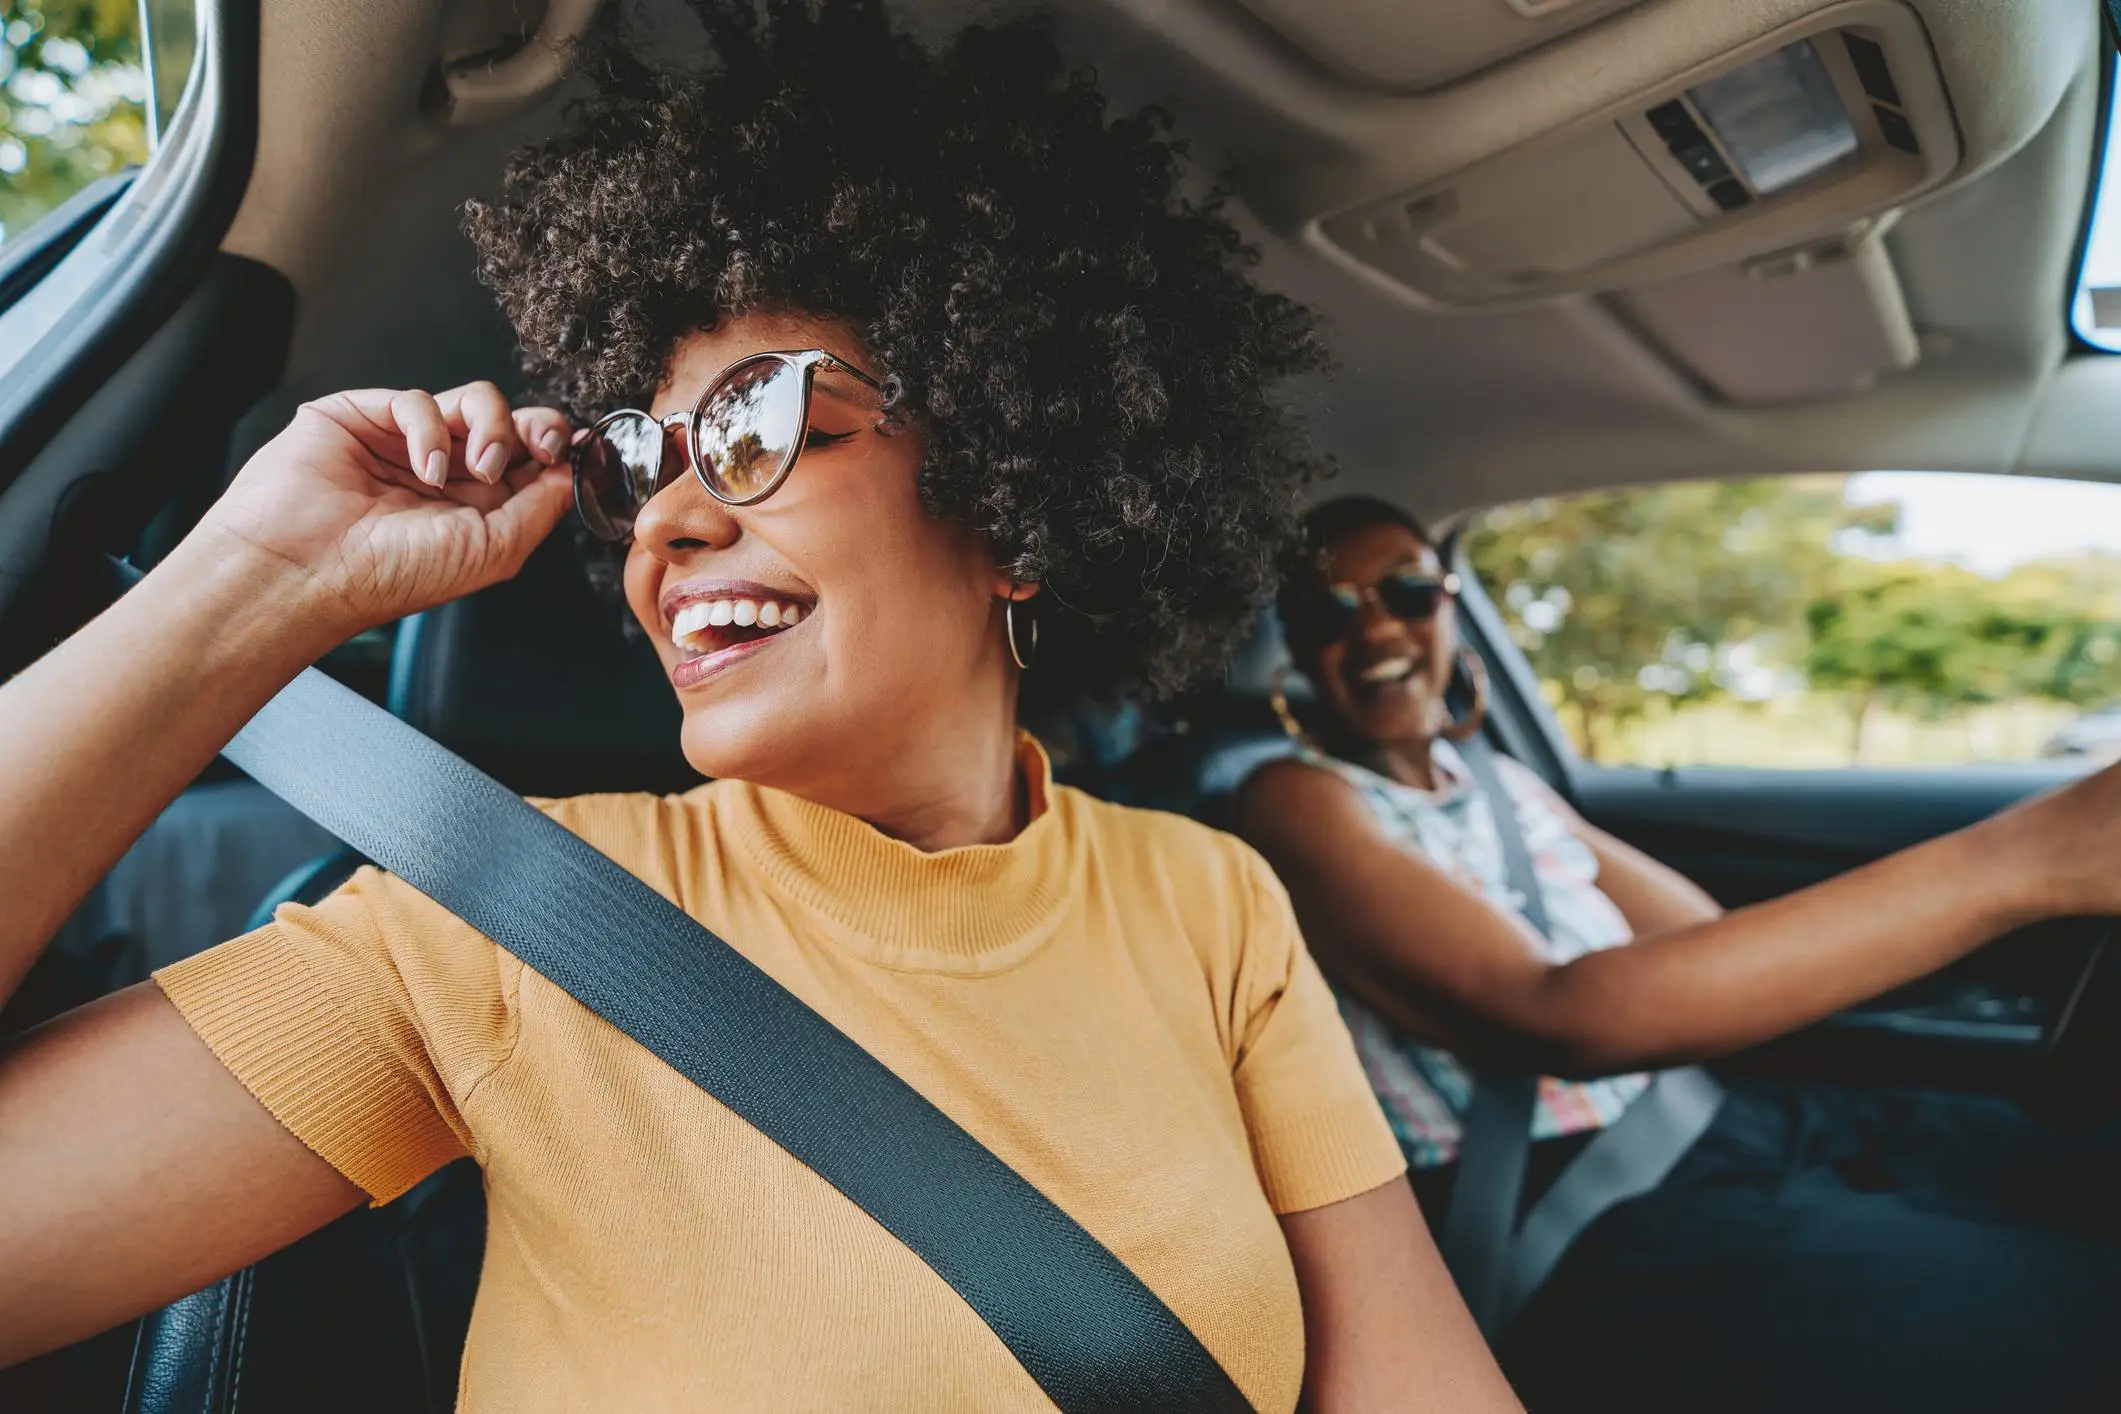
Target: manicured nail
{"x": 437, "y": 469}
{"x": 492, "y": 462}
{"x": 553, "y": 443}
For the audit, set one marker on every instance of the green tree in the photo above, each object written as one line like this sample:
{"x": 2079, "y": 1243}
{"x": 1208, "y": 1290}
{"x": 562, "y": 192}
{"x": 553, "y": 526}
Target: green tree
{"x": 1926, "y": 639}
{"x": 72, "y": 101}
{"x": 2082, "y": 595}
{"x": 1625, "y": 599}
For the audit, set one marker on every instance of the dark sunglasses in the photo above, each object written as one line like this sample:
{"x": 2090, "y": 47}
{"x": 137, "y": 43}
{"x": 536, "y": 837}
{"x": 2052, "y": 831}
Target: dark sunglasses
{"x": 741, "y": 439}
{"x": 1408, "y": 595}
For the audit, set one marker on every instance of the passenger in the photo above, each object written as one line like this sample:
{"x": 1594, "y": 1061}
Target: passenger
{"x": 1030, "y": 389}
{"x": 1816, "y": 1249}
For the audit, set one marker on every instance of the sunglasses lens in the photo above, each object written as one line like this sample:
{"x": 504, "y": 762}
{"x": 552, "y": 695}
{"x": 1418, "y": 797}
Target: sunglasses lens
{"x": 617, "y": 469}
{"x": 750, "y": 426}
{"x": 1410, "y": 597}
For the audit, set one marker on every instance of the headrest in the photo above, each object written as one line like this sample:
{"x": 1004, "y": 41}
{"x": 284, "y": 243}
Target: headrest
{"x": 536, "y": 682}
{"x": 1259, "y": 660}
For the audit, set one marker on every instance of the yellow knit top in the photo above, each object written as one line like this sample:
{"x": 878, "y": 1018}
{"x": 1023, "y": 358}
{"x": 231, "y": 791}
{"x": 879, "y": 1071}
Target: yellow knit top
{"x": 1116, "y": 1002}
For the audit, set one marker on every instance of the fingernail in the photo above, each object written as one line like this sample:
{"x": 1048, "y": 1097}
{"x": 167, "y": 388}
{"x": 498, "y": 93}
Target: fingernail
{"x": 437, "y": 470}
{"x": 492, "y": 462}
{"x": 553, "y": 443}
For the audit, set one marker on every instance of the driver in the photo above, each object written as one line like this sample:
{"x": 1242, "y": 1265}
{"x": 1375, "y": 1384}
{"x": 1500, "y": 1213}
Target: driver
{"x": 918, "y": 393}
{"x": 1816, "y": 1248}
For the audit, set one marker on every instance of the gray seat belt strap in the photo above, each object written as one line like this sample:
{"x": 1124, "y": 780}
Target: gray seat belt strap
{"x": 1627, "y": 1159}
{"x": 1496, "y": 1143}
{"x": 1092, "y": 1335}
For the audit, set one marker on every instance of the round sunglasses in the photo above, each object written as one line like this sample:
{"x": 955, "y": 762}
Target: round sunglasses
{"x": 1408, "y": 595}
{"x": 741, "y": 440}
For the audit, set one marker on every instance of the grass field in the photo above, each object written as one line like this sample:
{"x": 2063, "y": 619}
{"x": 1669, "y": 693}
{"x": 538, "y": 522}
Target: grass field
{"x": 1804, "y": 730}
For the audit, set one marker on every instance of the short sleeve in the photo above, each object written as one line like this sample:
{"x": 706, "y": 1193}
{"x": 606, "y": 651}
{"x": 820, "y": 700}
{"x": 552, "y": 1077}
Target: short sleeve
{"x": 1317, "y": 1133}
{"x": 363, "y": 1024}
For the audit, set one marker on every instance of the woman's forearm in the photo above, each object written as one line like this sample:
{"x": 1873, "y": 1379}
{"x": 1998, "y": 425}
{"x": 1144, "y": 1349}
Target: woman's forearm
{"x": 101, "y": 733}
{"x": 1761, "y": 971}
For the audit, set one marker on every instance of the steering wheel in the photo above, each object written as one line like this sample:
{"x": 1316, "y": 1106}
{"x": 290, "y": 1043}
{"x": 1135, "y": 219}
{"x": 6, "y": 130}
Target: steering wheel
{"x": 2079, "y": 1081}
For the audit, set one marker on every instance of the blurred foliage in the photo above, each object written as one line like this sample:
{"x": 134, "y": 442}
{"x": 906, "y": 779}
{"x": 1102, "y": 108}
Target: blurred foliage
{"x": 72, "y": 101}
{"x": 1645, "y": 602}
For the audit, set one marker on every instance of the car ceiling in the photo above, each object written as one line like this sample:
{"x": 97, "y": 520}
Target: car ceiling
{"x": 361, "y": 166}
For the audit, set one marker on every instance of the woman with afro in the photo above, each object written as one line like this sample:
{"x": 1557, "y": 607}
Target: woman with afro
{"x": 908, "y": 392}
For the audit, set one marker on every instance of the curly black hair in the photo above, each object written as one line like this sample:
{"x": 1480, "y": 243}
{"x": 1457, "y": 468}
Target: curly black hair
{"x": 1094, "y": 371}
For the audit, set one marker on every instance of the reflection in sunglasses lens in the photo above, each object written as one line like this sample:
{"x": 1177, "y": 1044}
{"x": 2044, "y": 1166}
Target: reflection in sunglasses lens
{"x": 750, "y": 424}
{"x": 616, "y": 472}
{"x": 1410, "y": 596}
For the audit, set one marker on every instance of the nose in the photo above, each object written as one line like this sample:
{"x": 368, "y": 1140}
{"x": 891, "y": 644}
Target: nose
{"x": 682, "y": 520}
{"x": 1379, "y": 624}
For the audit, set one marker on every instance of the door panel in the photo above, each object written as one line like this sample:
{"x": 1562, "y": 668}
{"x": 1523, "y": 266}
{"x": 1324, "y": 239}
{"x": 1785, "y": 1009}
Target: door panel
{"x": 1748, "y": 835}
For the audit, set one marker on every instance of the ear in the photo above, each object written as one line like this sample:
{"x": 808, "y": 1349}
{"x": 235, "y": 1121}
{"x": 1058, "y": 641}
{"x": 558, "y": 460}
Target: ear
{"x": 1005, "y": 587}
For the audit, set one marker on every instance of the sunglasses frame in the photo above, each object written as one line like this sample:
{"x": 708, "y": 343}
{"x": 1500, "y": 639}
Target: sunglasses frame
{"x": 805, "y": 362}
{"x": 1348, "y": 615}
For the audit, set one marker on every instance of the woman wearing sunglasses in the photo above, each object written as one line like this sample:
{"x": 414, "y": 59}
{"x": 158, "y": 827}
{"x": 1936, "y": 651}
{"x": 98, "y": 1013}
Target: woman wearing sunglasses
{"x": 910, "y": 394}
{"x": 1815, "y": 1249}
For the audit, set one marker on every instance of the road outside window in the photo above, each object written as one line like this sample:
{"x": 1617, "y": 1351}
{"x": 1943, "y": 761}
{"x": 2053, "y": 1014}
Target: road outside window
{"x": 1885, "y": 618}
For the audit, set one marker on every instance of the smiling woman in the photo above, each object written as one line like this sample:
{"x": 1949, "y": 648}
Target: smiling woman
{"x": 907, "y": 386}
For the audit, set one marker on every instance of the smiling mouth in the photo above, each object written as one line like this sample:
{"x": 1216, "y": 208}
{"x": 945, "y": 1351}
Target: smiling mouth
{"x": 711, "y": 631}
{"x": 1386, "y": 671}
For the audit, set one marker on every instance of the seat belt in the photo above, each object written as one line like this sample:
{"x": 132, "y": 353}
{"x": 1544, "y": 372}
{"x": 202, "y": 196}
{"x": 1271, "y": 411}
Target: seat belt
{"x": 1092, "y": 1335}
{"x": 1495, "y": 1144}
{"x": 1627, "y": 1159}
{"x": 1505, "y": 1262}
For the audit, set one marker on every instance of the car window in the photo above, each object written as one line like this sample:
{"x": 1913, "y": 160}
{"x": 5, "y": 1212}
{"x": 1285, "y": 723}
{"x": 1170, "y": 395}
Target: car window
{"x": 1884, "y": 618}
{"x": 77, "y": 103}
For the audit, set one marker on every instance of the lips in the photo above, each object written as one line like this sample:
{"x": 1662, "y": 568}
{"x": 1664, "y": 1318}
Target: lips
{"x": 715, "y": 624}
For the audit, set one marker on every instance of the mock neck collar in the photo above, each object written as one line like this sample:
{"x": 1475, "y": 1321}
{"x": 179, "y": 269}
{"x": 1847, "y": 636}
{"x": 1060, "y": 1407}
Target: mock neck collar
{"x": 969, "y": 911}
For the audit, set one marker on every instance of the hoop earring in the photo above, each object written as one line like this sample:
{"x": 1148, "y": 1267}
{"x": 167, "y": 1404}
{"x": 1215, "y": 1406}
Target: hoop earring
{"x": 1278, "y": 699}
{"x": 1468, "y": 726}
{"x": 1024, "y": 658}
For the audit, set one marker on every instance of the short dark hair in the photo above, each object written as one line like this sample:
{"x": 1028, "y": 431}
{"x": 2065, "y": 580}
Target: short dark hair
{"x": 1094, "y": 370}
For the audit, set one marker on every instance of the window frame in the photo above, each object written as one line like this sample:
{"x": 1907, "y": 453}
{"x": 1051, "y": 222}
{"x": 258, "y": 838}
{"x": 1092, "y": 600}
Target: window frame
{"x": 2081, "y": 344}
{"x": 99, "y": 301}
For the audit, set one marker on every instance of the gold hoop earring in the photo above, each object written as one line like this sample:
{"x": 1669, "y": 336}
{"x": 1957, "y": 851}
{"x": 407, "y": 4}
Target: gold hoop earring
{"x": 1466, "y": 727}
{"x": 1278, "y": 699}
{"x": 1024, "y": 658}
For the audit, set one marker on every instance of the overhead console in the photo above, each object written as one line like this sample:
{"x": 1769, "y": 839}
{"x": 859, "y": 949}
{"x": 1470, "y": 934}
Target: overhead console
{"x": 1793, "y": 138}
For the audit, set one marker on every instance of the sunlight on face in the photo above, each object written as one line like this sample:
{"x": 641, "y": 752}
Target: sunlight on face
{"x": 832, "y": 624}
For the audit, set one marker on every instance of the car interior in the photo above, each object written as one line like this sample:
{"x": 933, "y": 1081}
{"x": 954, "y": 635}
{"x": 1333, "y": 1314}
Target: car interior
{"x": 1555, "y": 250}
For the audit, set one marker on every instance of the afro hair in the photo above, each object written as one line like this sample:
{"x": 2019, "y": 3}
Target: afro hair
{"x": 1095, "y": 374}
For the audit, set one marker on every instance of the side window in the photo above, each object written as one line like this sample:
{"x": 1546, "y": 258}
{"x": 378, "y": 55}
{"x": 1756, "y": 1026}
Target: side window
{"x": 1883, "y": 618}
{"x": 75, "y": 103}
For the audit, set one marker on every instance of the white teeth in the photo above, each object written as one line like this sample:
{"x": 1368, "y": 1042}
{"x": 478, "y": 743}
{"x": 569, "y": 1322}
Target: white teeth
{"x": 742, "y": 613}
{"x": 1390, "y": 670}
{"x": 690, "y": 620}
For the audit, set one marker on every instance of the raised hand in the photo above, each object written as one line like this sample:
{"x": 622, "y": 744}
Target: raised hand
{"x": 378, "y": 503}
